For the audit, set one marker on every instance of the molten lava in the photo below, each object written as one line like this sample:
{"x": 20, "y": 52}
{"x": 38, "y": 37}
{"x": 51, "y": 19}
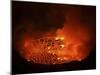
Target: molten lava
{"x": 62, "y": 48}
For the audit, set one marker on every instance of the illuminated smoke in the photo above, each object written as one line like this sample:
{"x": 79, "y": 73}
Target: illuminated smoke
{"x": 69, "y": 44}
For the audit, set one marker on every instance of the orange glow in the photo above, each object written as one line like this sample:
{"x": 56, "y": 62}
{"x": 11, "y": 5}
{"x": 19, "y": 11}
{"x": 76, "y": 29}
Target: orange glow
{"x": 49, "y": 47}
{"x": 65, "y": 49}
{"x": 72, "y": 42}
{"x": 61, "y": 38}
{"x": 56, "y": 38}
{"x": 62, "y": 46}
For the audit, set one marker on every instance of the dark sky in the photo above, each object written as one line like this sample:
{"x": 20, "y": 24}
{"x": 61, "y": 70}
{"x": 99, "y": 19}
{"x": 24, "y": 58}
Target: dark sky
{"x": 43, "y": 17}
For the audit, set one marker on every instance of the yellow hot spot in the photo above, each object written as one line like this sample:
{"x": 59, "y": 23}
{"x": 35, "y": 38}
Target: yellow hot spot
{"x": 49, "y": 47}
{"x": 65, "y": 58}
{"x": 58, "y": 58}
{"x": 62, "y": 46}
{"x": 59, "y": 37}
{"x": 62, "y": 38}
{"x": 56, "y": 38}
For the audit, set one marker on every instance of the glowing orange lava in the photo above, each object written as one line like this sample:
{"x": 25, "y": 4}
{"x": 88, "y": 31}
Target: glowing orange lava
{"x": 62, "y": 48}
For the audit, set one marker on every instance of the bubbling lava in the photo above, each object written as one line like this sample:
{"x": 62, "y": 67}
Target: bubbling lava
{"x": 64, "y": 47}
